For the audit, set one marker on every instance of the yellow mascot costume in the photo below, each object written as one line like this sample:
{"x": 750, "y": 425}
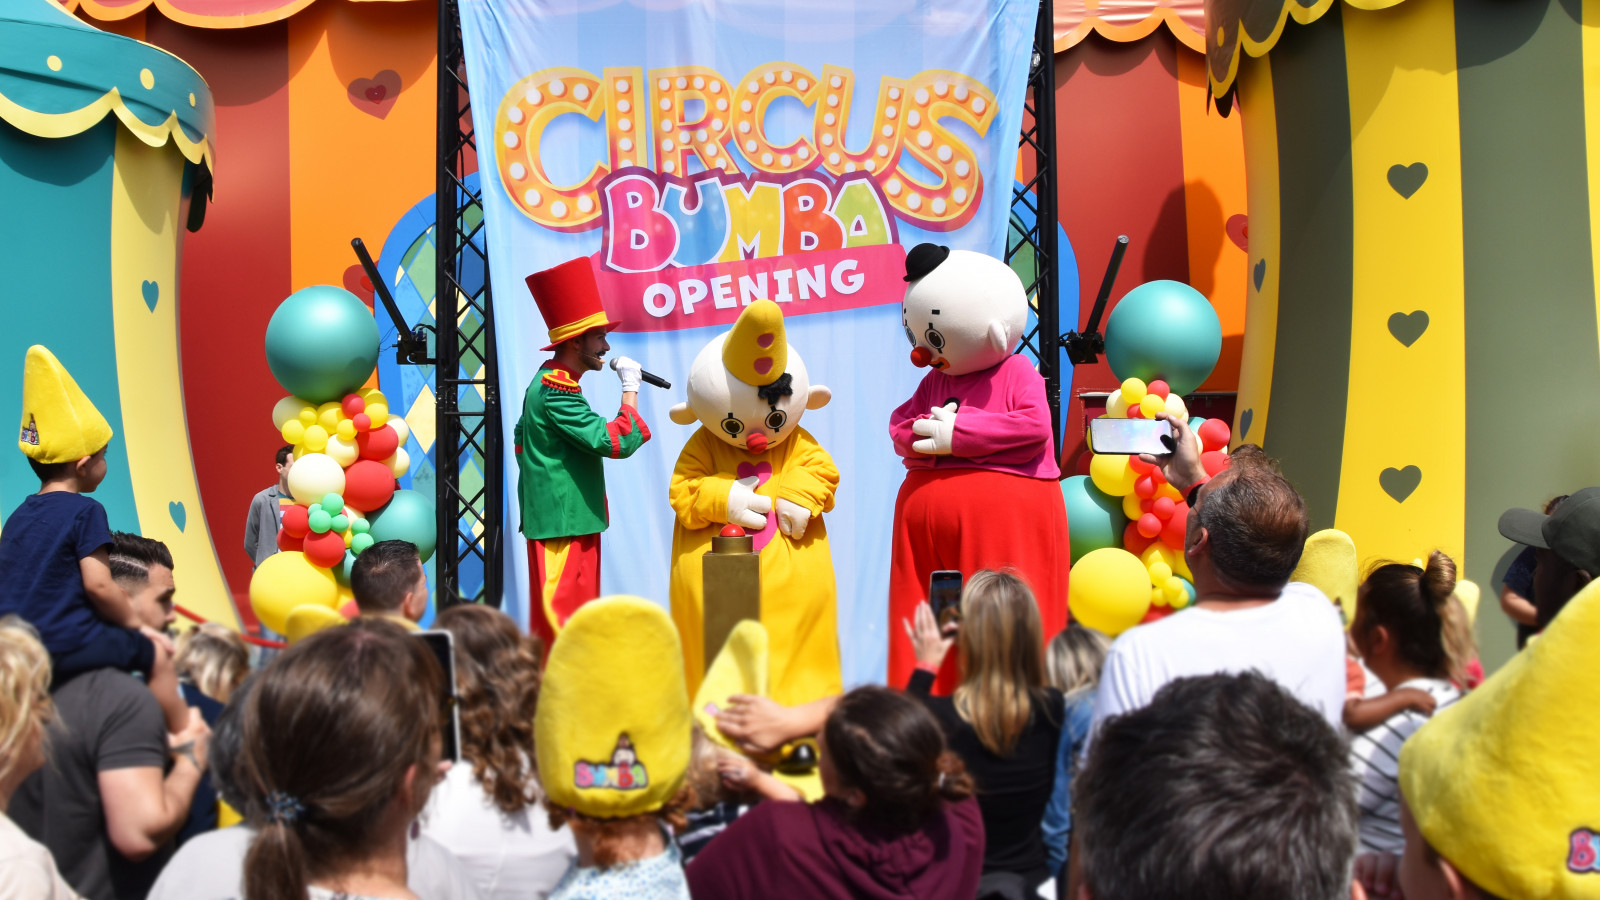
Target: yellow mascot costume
{"x": 751, "y": 464}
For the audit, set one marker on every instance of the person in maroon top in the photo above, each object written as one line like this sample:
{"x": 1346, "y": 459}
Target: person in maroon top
{"x": 898, "y": 821}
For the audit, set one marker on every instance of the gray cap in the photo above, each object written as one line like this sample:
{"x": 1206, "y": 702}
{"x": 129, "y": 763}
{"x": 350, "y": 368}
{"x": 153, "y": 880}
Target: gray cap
{"x": 1572, "y": 531}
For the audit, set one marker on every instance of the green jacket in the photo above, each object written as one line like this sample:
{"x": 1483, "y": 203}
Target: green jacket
{"x": 560, "y": 442}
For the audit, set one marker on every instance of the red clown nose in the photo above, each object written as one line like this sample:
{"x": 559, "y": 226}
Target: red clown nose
{"x": 920, "y": 357}
{"x": 756, "y": 443}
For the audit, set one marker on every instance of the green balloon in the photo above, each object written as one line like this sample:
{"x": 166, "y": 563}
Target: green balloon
{"x": 408, "y": 516}
{"x": 341, "y": 572}
{"x": 322, "y": 343}
{"x": 341, "y": 524}
{"x": 319, "y": 520}
{"x": 333, "y": 503}
{"x": 1094, "y": 518}
{"x": 360, "y": 526}
{"x": 360, "y": 543}
{"x": 1164, "y": 330}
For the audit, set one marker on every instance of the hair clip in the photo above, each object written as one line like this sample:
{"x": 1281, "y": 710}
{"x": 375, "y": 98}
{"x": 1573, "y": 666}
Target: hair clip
{"x": 283, "y": 809}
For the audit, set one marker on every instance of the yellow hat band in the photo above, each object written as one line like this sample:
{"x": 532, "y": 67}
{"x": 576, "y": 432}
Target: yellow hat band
{"x": 598, "y": 320}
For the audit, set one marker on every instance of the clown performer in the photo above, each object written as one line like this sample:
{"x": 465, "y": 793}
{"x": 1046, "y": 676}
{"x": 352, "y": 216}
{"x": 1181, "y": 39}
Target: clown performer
{"x": 560, "y": 442}
{"x": 751, "y": 464}
{"x": 981, "y": 488}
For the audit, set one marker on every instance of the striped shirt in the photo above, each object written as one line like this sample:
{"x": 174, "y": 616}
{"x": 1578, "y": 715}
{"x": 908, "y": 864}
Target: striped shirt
{"x": 1375, "y": 762}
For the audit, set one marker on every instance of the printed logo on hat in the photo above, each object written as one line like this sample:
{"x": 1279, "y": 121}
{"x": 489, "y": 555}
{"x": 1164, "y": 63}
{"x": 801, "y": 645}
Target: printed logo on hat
{"x": 30, "y": 433}
{"x": 1585, "y": 855}
{"x": 624, "y": 773}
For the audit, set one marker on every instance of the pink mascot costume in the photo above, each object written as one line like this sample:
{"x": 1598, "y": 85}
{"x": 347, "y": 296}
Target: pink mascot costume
{"x": 981, "y": 487}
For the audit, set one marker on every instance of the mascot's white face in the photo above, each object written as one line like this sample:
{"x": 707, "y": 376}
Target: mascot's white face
{"x": 963, "y": 312}
{"x": 736, "y": 412}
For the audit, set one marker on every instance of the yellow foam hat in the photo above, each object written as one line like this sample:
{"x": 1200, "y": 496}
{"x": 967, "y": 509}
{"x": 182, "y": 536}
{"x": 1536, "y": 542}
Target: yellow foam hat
{"x": 756, "y": 351}
{"x": 308, "y": 619}
{"x": 59, "y": 424}
{"x": 1329, "y": 564}
{"x": 740, "y": 668}
{"x": 1503, "y": 784}
{"x": 612, "y": 729}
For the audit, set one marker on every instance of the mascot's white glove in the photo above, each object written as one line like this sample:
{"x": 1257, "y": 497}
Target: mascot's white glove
{"x": 793, "y": 519}
{"x": 746, "y": 507}
{"x": 628, "y": 373}
{"x": 938, "y": 432}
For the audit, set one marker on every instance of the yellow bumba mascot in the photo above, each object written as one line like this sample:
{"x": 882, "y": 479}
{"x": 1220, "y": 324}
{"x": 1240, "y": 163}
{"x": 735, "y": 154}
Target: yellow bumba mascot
{"x": 751, "y": 464}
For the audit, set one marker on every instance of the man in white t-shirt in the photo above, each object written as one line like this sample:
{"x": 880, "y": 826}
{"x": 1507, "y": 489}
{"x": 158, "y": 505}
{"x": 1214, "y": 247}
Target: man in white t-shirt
{"x": 1247, "y": 527}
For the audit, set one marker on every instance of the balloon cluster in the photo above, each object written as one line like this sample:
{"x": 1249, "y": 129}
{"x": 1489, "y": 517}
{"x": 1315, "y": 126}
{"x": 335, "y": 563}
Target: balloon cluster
{"x": 1128, "y": 523}
{"x": 322, "y": 345}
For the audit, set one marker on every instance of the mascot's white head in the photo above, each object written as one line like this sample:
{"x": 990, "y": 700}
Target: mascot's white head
{"x": 748, "y": 386}
{"x": 963, "y": 312}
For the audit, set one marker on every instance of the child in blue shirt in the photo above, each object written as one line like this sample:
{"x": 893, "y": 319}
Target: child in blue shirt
{"x": 55, "y": 568}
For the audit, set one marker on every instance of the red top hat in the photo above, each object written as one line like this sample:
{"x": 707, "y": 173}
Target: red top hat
{"x": 569, "y": 300}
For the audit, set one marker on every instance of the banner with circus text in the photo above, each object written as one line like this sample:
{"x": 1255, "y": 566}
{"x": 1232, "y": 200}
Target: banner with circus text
{"x": 706, "y": 154}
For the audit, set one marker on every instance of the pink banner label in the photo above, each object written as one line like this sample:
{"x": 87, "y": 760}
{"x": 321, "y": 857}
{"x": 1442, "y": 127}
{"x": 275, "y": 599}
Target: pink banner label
{"x": 714, "y": 294}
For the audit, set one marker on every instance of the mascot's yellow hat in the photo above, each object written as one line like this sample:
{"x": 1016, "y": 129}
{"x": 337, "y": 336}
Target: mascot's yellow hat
{"x": 310, "y": 618}
{"x": 1329, "y": 565}
{"x": 741, "y": 668}
{"x": 59, "y": 424}
{"x": 756, "y": 352}
{"x": 1503, "y": 784}
{"x": 612, "y": 729}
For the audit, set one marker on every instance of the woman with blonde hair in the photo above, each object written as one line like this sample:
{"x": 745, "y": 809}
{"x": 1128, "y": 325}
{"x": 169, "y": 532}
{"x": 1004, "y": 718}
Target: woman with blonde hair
{"x": 1003, "y": 721}
{"x": 486, "y": 810}
{"x": 26, "y": 867}
{"x": 1073, "y": 661}
{"x": 213, "y": 658}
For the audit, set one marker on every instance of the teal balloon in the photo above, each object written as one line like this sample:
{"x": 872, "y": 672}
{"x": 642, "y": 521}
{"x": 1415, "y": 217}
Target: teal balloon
{"x": 360, "y": 543}
{"x": 341, "y": 572}
{"x": 1095, "y": 519}
{"x": 319, "y": 520}
{"x": 408, "y": 516}
{"x": 322, "y": 343}
{"x": 1166, "y": 330}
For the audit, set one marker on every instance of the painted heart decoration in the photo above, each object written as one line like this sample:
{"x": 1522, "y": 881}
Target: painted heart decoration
{"x": 1260, "y": 273}
{"x": 1400, "y": 483}
{"x": 1407, "y": 328}
{"x": 1238, "y": 229}
{"x": 152, "y": 293}
{"x": 356, "y": 282}
{"x": 1407, "y": 180}
{"x": 375, "y": 96}
{"x": 180, "y": 516}
{"x": 1245, "y": 418}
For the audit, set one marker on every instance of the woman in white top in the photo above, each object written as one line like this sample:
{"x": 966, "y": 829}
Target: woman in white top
{"x": 26, "y": 868}
{"x": 1411, "y": 632}
{"x": 487, "y": 809}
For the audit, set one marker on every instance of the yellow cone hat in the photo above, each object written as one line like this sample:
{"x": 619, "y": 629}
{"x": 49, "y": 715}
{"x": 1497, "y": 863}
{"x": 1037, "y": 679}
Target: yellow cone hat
{"x": 740, "y": 668}
{"x": 757, "y": 353}
{"x": 59, "y": 424}
{"x": 1329, "y": 565}
{"x": 612, "y": 729}
{"x": 1503, "y": 783}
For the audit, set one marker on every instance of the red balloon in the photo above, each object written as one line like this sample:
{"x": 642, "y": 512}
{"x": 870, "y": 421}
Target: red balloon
{"x": 353, "y": 404}
{"x": 1163, "y": 507}
{"x": 361, "y": 421}
{"x": 350, "y": 610}
{"x": 1159, "y": 388}
{"x": 287, "y": 542}
{"x": 1172, "y": 532}
{"x": 378, "y": 444}
{"x": 1133, "y": 541}
{"x": 1145, "y": 487}
{"x": 1146, "y": 505}
{"x": 326, "y": 549}
{"x": 1156, "y": 614}
{"x": 1134, "y": 412}
{"x": 1214, "y": 461}
{"x": 1214, "y": 434}
{"x": 1140, "y": 466}
{"x": 1158, "y": 477}
{"x": 296, "y": 521}
{"x": 368, "y": 484}
{"x": 1149, "y": 525}
{"x": 1085, "y": 459}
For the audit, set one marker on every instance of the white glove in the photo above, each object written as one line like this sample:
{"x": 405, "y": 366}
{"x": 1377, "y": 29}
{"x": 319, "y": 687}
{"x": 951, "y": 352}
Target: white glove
{"x": 746, "y": 507}
{"x": 938, "y": 432}
{"x": 793, "y": 519}
{"x": 628, "y": 373}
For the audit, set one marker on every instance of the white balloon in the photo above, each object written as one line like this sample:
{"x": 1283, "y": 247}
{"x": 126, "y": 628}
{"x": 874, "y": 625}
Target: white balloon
{"x": 399, "y": 463}
{"x": 343, "y": 452}
{"x": 400, "y": 427}
{"x": 288, "y": 408}
{"x": 314, "y": 476}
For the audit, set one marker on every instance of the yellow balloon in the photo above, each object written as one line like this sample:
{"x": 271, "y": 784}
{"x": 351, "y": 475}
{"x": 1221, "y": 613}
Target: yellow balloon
{"x": 316, "y": 439}
{"x": 1180, "y": 567}
{"x": 1109, "y": 590}
{"x": 346, "y": 429}
{"x": 328, "y": 415}
{"x": 400, "y": 462}
{"x": 309, "y": 619}
{"x": 286, "y": 409}
{"x": 1159, "y": 573}
{"x": 1112, "y": 474}
{"x": 1130, "y": 507}
{"x": 1167, "y": 490}
{"x": 1175, "y": 406}
{"x": 1153, "y": 555}
{"x": 373, "y": 395}
{"x": 1133, "y": 391}
{"x": 1176, "y": 594}
{"x": 308, "y": 415}
{"x": 1152, "y": 404}
{"x": 286, "y": 581}
{"x": 1157, "y": 597}
{"x": 299, "y": 451}
{"x": 378, "y": 413}
{"x": 1116, "y": 407}
{"x": 344, "y": 451}
{"x": 293, "y": 431}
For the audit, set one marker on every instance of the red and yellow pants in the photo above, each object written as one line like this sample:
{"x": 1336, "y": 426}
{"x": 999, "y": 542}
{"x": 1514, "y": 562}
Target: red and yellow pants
{"x": 563, "y": 574}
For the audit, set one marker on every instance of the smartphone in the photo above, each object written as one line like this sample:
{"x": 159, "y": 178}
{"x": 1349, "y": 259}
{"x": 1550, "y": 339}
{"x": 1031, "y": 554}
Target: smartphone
{"x": 442, "y": 643}
{"x": 944, "y": 596}
{"x": 1130, "y": 437}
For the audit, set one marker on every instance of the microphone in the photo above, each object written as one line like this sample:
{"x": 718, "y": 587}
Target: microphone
{"x": 646, "y": 377}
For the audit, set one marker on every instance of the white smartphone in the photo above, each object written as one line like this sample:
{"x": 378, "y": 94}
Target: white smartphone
{"x": 1130, "y": 437}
